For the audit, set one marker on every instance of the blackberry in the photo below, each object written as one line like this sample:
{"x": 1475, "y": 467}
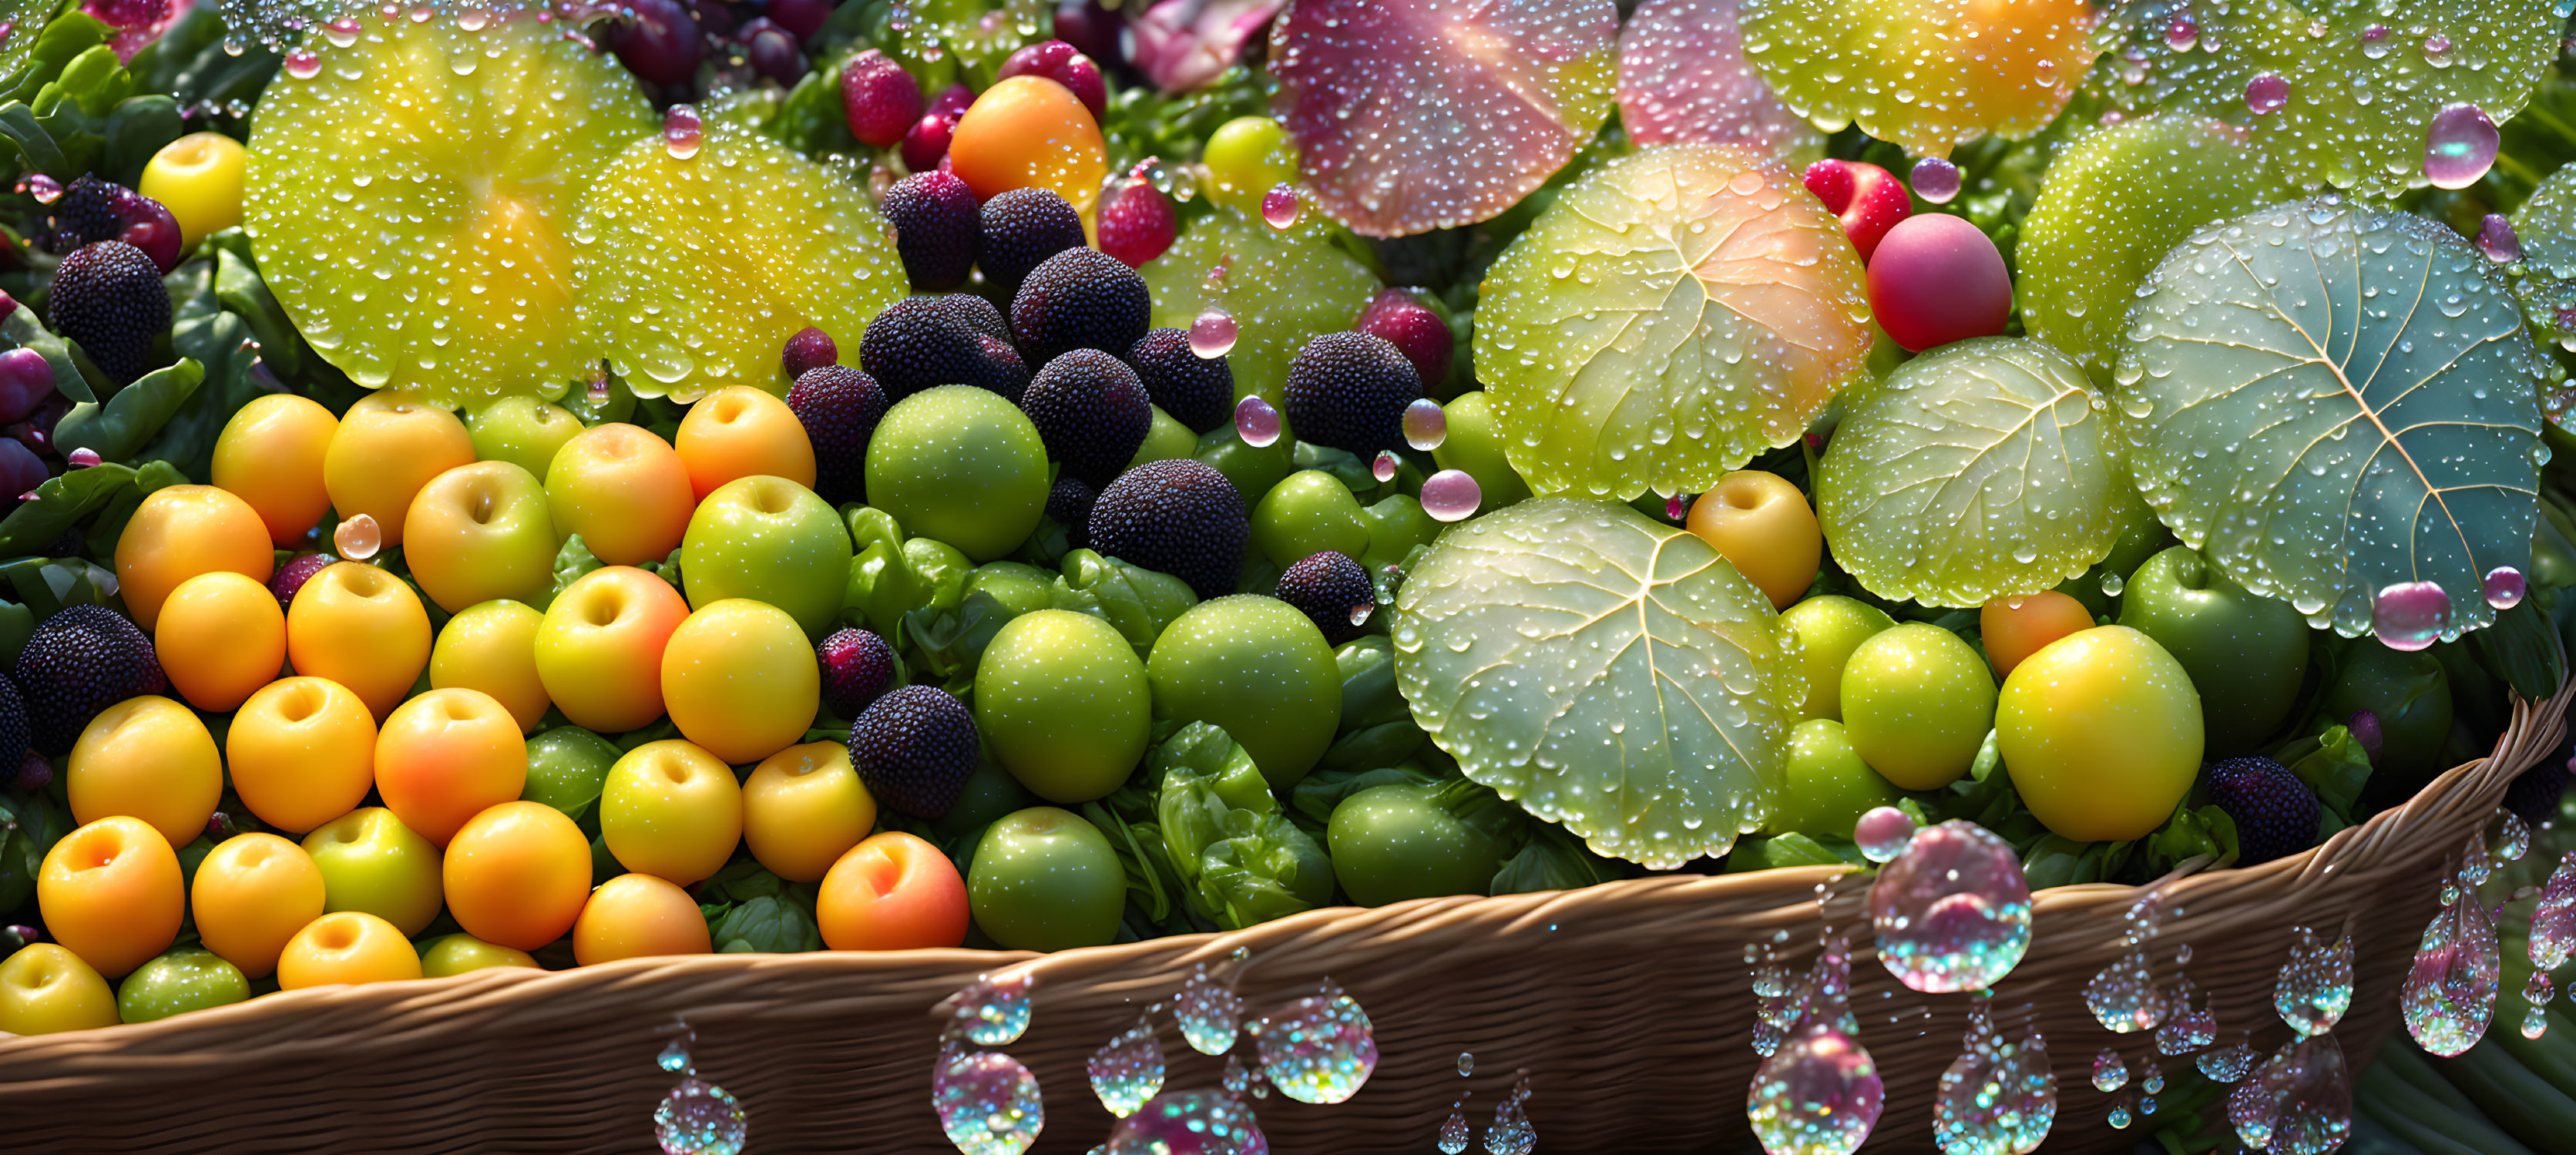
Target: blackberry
{"x": 85, "y": 214}
{"x": 108, "y": 296}
{"x": 1092, "y": 413}
{"x": 80, "y": 661}
{"x": 291, "y": 576}
{"x": 935, "y": 226}
{"x": 1079, "y": 299}
{"x": 1021, "y": 228}
{"x": 1197, "y": 391}
{"x": 1069, "y": 505}
{"x": 1329, "y": 587}
{"x": 1349, "y": 390}
{"x": 15, "y": 740}
{"x": 1180, "y": 517}
{"x": 839, "y": 408}
{"x": 857, "y": 666}
{"x": 914, "y": 748}
{"x": 977, "y": 314}
{"x": 2275, "y": 812}
{"x": 920, "y": 342}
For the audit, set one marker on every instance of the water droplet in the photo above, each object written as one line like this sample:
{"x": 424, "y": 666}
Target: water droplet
{"x": 2497, "y": 240}
{"x": 2535, "y": 1022}
{"x": 1456, "y": 1132}
{"x": 1996, "y": 1098}
{"x": 2188, "y": 1028}
{"x": 342, "y": 32}
{"x": 2504, "y": 587}
{"x": 2437, "y": 50}
{"x": 2374, "y": 41}
{"x": 1676, "y": 507}
{"x": 994, "y": 1012}
{"x": 473, "y": 19}
{"x": 1359, "y": 617}
{"x": 2112, "y": 584}
{"x": 675, "y": 1058}
{"x": 2228, "y": 1064}
{"x": 1279, "y": 207}
{"x": 2181, "y": 34}
{"x": 1820, "y": 1092}
{"x": 2153, "y": 1082}
{"x": 2123, "y": 996}
{"x": 2119, "y": 1117}
{"x": 1318, "y": 1049}
{"x": 2310, "y": 1093}
{"x": 2553, "y": 921}
{"x": 1936, "y": 180}
{"x": 86, "y": 457}
{"x": 1128, "y": 1069}
{"x": 1208, "y": 1011}
{"x": 2266, "y": 94}
{"x": 2110, "y": 1072}
{"x": 303, "y": 64}
{"x": 1883, "y": 832}
{"x": 1237, "y": 1078}
{"x": 2314, "y": 987}
{"x": 1384, "y": 466}
{"x": 2508, "y": 838}
{"x": 1426, "y": 424}
{"x": 2450, "y": 993}
{"x": 45, "y": 189}
{"x": 1511, "y": 1133}
{"x": 1953, "y": 911}
{"x": 1451, "y": 495}
{"x": 358, "y": 538}
{"x": 1256, "y": 422}
{"x": 2459, "y": 146}
{"x": 2410, "y": 616}
{"x": 1212, "y": 333}
{"x": 682, "y": 134}
{"x": 700, "y": 1118}
{"x": 1466, "y": 1063}
{"x": 988, "y": 1102}
{"x": 1188, "y": 1123}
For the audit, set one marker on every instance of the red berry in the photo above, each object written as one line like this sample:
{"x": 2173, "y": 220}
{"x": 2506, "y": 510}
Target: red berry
{"x": 1869, "y": 199}
{"x": 881, "y": 100}
{"x": 810, "y": 348}
{"x": 1066, "y": 65}
{"x": 1418, "y": 332}
{"x": 1937, "y": 279}
{"x": 292, "y": 576}
{"x": 1136, "y": 223}
{"x": 659, "y": 42}
{"x": 925, "y": 146}
{"x": 774, "y": 52}
{"x": 952, "y": 103}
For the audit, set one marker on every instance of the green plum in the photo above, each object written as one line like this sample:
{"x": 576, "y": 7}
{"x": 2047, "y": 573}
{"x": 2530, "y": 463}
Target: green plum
{"x": 1829, "y": 628}
{"x": 960, "y": 464}
{"x": 2409, "y": 692}
{"x": 1045, "y": 879}
{"x": 1253, "y": 471}
{"x": 770, "y": 540}
{"x": 1309, "y": 512}
{"x": 1165, "y": 440}
{"x": 522, "y": 431}
{"x": 1063, "y": 700}
{"x": 1260, "y": 670}
{"x": 2141, "y": 537}
{"x": 567, "y": 769}
{"x": 1395, "y": 526}
{"x": 1475, "y": 445}
{"x": 2246, "y": 653}
{"x": 186, "y": 979}
{"x": 1394, "y": 842}
{"x": 1827, "y": 784}
{"x": 1917, "y": 703}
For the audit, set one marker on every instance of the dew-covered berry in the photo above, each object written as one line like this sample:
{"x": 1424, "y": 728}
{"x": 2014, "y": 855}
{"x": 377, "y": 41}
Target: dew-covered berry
{"x": 858, "y": 666}
{"x": 920, "y": 342}
{"x": 1021, "y": 228}
{"x": 1197, "y": 391}
{"x": 1180, "y": 517}
{"x": 1091, "y": 411}
{"x": 1414, "y": 330}
{"x": 108, "y": 296}
{"x": 926, "y": 144}
{"x": 1136, "y": 222}
{"x": 1330, "y": 588}
{"x": 935, "y": 224}
{"x": 1065, "y": 65}
{"x": 839, "y": 407}
{"x": 1349, "y": 390}
{"x": 879, "y": 98}
{"x": 914, "y": 748}
{"x": 2275, "y": 812}
{"x": 1079, "y": 299}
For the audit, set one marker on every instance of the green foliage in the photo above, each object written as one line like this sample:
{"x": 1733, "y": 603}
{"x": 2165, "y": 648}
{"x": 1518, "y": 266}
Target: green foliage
{"x": 1138, "y": 601}
{"x": 1240, "y": 857}
{"x": 748, "y": 909}
{"x": 119, "y": 426}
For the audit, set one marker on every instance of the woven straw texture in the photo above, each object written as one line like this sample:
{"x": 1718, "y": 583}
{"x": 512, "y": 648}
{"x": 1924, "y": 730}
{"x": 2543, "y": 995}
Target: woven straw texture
{"x": 1628, "y": 1004}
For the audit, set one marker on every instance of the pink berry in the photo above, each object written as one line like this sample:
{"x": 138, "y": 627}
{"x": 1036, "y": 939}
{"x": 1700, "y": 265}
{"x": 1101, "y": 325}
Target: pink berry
{"x": 810, "y": 348}
{"x": 1066, "y": 65}
{"x": 26, "y": 379}
{"x": 1423, "y": 337}
{"x": 881, "y": 100}
{"x": 1937, "y": 279}
{"x": 925, "y": 146}
{"x": 292, "y": 576}
{"x": 1136, "y": 223}
{"x": 1869, "y": 199}
{"x": 952, "y": 103}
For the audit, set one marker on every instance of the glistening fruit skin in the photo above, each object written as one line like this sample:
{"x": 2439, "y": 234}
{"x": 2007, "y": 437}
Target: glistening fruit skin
{"x": 1391, "y": 843}
{"x": 1868, "y": 199}
{"x": 1310, "y": 512}
{"x": 198, "y": 177}
{"x": 1917, "y": 702}
{"x": 1260, "y": 670}
{"x": 1935, "y": 279}
{"x": 1044, "y": 879}
{"x": 770, "y": 539}
{"x": 672, "y": 810}
{"x": 492, "y": 648}
{"x": 1080, "y": 298}
{"x": 2246, "y": 654}
{"x": 363, "y": 628}
{"x": 2014, "y": 628}
{"x": 1063, "y": 700}
{"x": 221, "y": 637}
{"x": 302, "y": 752}
{"x": 517, "y": 875}
{"x": 1475, "y": 446}
{"x": 456, "y": 954}
{"x": 624, "y": 490}
{"x": 1349, "y": 390}
{"x": 2102, "y": 733}
{"x": 346, "y": 948}
{"x": 803, "y": 808}
{"x": 1415, "y": 331}
{"x": 922, "y": 342}
{"x": 78, "y": 662}
{"x": 2410, "y": 694}
{"x": 879, "y": 99}
{"x": 523, "y": 431}
{"x": 638, "y": 916}
{"x": 446, "y": 756}
{"x": 481, "y": 532}
{"x": 1020, "y": 228}
{"x": 1829, "y": 628}
{"x": 1764, "y": 527}
{"x": 270, "y": 454}
{"x": 187, "y": 979}
{"x": 107, "y": 296}
{"x": 739, "y": 679}
{"x": 893, "y": 891}
{"x": 181, "y": 531}
{"x": 45, "y": 988}
{"x": 1030, "y": 132}
{"x": 935, "y": 222}
{"x": 1827, "y": 786}
{"x": 1330, "y": 589}
{"x": 388, "y": 446}
{"x": 371, "y": 862}
{"x": 599, "y": 650}
{"x": 915, "y": 748}
{"x": 858, "y": 668}
{"x": 568, "y": 768}
{"x": 251, "y": 894}
{"x": 962, "y": 465}
{"x": 739, "y": 431}
{"x": 1197, "y": 391}
{"x": 1091, "y": 412}
{"x": 1181, "y": 517}
{"x": 839, "y": 407}
{"x": 147, "y": 758}
{"x": 110, "y": 891}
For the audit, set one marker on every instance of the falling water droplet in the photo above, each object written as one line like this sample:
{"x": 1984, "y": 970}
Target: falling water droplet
{"x": 2153, "y": 1081}
{"x": 988, "y": 1103}
{"x": 682, "y": 133}
{"x": 1279, "y": 207}
{"x": 2535, "y": 1022}
{"x": 2450, "y": 993}
{"x": 1212, "y": 333}
{"x": 1237, "y": 1078}
{"x": 1128, "y": 1069}
{"x": 1256, "y": 422}
{"x": 1208, "y": 1011}
{"x": 358, "y": 538}
{"x": 1935, "y": 179}
{"x": 2553, "y": 921}
{"x": 2187, "y": 1029}
{"x": 2508, "y": 838}
{"x": 1953, "y": 911}
{"x": 1820, "y": 1092}
{"x": 1511, "y": 1133}
{"x": 1456, "y": 1132}
{"x": 1466, "y": 1063}
{"x": 1318, "y": 1049}
{"x": 2497, "y": 240}
{"x": 1883, "y": 833}
{"x": 1187, "y": 1123}
{"x": 2410, "y": 616}
{"x": 2251, "y": 1106}
{"x": 2311, "y": 1092}
{"x": 2123, "y": 996}
{"x": 2110, "y": 1071}
{"x": 1384, "y": 466}
{"x": 2228, "y": 1064}
{"x": 2119, "y": 1118}
{"x": 2112, "y": 584}
{"x": 303, "y": 64}
{"x": 700, "y": 1118}
{"x": 1426, "y": 424}
{"x": 2504, "y": 587}
{"x": 675, "y": 1058}
{"x": 1677, "y": 507}
{"x": 44, "y": 188}
{"x": 2459, "y": 146}
{"x": 2314, "y": 987}
{"x": 1996, "y": 1098}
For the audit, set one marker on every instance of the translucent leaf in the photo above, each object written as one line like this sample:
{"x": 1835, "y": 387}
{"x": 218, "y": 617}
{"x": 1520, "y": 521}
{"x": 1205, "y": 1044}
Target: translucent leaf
{"x": 410, "y": 203}
{"x": 1979, "y": 470}
{"x": 1429, "y": 114}
{"x": 2546, "y": 225}
{"x": 1673, "y": 313}
{"x": 2113, "y": 204}
{"x": 696, "y": 271}
{"x": 1683, "y": 79}
{"x": 1283, "y": 288}
{"x": 1606, "y": 672}
{"x": 2327, "y": 400}
{"x": 2364, "y": 79}
{"x": 1926, "y": 75}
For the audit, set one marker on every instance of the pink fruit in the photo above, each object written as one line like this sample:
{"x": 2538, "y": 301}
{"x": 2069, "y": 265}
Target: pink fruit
{"x": 925, "y": 145}
{"x": 801, "y": 18}
{"x": 1065, "y": 65}
{"x": 1936, "y": 279}
{"x": 880, "y": 99}
{"x": 26, "y": 379}
{"x": 1869, "y": 199}
{"x": 1181, "y": 45}
{"x": 1136, "y": 222}
{"x": 1425, "y": 339}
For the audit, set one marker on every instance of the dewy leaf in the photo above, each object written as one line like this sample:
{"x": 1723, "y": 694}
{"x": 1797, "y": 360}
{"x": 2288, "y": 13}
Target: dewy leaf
{"x": 1924, "y": 75}
{"x": 1606, "y": 672}
{"x": 2546, "y": 225}
{"x": 1673, "y": 313}
{"x": 1979, "y": 470}
{"x": 1683, "y": 77}
{"x": 2327, "y": 400}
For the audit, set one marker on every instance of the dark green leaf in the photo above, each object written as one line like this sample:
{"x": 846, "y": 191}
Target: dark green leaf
{"x": 1553, "y": 860}
{"x": 766, "y": 924}
{"x": 122, "y": 424}
{"x": 1761, "y": 853}
{"x": 23, "y": 329}
{"x": 2336, "y": 771}
{"x": 2522, "y": 648}
{"x": 64, "y": 37}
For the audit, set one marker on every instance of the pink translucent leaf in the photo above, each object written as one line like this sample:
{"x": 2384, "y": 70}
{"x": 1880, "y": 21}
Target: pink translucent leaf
{"x": 1185, "y": 44}
{"x": 1683, "y": 79}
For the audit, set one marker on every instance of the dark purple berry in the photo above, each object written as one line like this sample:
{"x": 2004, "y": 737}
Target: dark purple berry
{"x": 108, "y": 296}
{"x": 2275, "y": 812}
{"x": 919, "y": 342}
{"x": 21, "y": 471}
{"x": 935, "y": 224}
{"x": 1197, "y": 391}
{"x": 292, "y": 576}
{"x": 16, "y": 742}
{"x": 857, "y": 668}
{"x": 1331, "y": 589}
{"x": 810, "y": 348}
{"x": 801, "y": 18}
{"x": 1179, "y": 517}
{"x": 839, "y": 407}
{"x": 2535, "y": 794}
{"x": 1069, "y": 505}
{"x": 1414, "y": 330}
{"x": 914, "y": 748}
{"x": 26, "y": 379}
{"x": 1136, "y": 223}
{"x": 1092, "y": 413}
{"x": 1079, "y": 299}
{"x": 660, "y": 43}
{"x": 1065, "y": 65}
{"x": 881, "y": 100}
{"x": 1092, "y": 29}
{"x": 1021, "y": 228}
{"x": 773, "y": 52}
{"x": 1349, "y": 390}
{"x": 80, "y": 661}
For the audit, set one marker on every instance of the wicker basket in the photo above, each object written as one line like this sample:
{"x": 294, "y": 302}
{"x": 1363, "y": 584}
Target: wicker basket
{"x": 1627, "y": 1003}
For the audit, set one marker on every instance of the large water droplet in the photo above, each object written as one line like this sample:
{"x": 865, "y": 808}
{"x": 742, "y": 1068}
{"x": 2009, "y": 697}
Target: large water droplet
{"x": 2228, "y": 1064}
{"x": 1936, "y": 180}
{"x": 1383, "y": 467}
{"x": 1883, "y": 832}
{"x": 2504, "y": 586}
{"x": 1256, "y": 422}
{"x": 342, "y": 32}
{"x": 700, "y": 1118}
{"x": 991, "y": 1011}
{"x": 1187, "y": 1123}
{"x": 1318, "y": 1049}
{"x": 2553, "y": 921}
{"x": 1426, "y": 424}
{"x": 2314, "y": 987}
{"x": 1279, "y": 207}
{"x": 2311, "y": 1097}
{"x": 2497, "y": 240}
{"x": 1819, "y": 1093}
{"x": 2181, "y": 34}
{"x": 2450, "y": 993}
{"x": 1209, "y": 1012}
{"x": 988, "y": 1103}
{"x": 1451, "y": 495}
{"x": 2266, "y": 94}
{"x": 1996, "y": 1098}
{"x": 2459, "y": 146}
{"x": 1511, "y": 1133}
{"x": 1212, "y": 333}
{"x": 2188, "y": 1028}
{"x": 1128, "y": 1069}
{"x": 303, "y": 64}
{"x": 2508, "y": 838}
{"x": 2410, "y": 616}
{"x": 2123, "y": 996}
{"x": 682, "y": 134}
{"x": 358, "y": 538}
{"x": 2110, "y": 1071}
{"x": 1455, "y": 1131}
{"x": 1953, "y": 911}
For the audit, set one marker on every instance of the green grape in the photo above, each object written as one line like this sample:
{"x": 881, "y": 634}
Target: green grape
{"x": 1246, "y": 157}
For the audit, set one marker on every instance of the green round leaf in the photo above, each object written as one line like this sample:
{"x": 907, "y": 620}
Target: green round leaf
{"x": 2327, "y": 400}
{"x": 1976, "y": 471}
{"x": 2546, "y": 225}
{"x": 1605, "y": 672}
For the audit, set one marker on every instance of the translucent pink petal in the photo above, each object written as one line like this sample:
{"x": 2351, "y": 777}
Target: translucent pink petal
{"x": 1185, "y": 44}
{"x": 1683, "y": 79}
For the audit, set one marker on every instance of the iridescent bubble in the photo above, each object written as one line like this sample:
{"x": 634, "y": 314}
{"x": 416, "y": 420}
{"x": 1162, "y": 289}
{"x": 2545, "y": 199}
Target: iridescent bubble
{"x": 700, "y": 1118}
{"x": 1883, "y": 832}
{"x": 1127, "y": 1070}
{"x": 682, "y": 134}
{"x": 2553, "y": 921}
{"x": 2228, "y": 1064}
{"x": 1212, "y": 333}
{"x": 1935, "y": 179}
{"x": 2266, "y": 94}
{"x": 2311, "y": 1093}
{"x": 988, "y": 1103}
{"x": 1426, "y": 424}
{"x": 358, "y": 538}
{"x": 1953, "y": 911}
{"x": 2410, "y": 616}
{"x": 991, "y": 1011}
{"x": 1466, "y": 1064}
{"x": 1187, "y": 1123}
{"x": 1383, "y": 467}
{"x": 2497, "y": 240}
{"x": 1209, "y": 1012}
{"x": 1996, "y": 1098}
{"x": 2123, "y": 996}
{"x": 1318, "y": 1049}
{"x": 1256, "y": 422}
{"x": 2459, "y": 146}
{"x": 2504, "y": 586}
{"x": 2119, "y": 1117}
{"x": 2314, "y": 987}
{"x": 1450, "y": 495}
{"x": 1820, "y": 1092}
{"x": 1279, "y": 208}
{"x": 2110, "y": 1071}
{"x": 2450, "y": 993}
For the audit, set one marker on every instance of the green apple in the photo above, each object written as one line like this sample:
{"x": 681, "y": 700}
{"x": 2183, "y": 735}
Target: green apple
{"x": 371, "y": 862}
{"x": 1166, "y": 440}
{"x": 2410, "y": 694}
{"x": 456, "y": 954}
{"x": 1045, "y": 879}
{"x": 1260, "y": 670}
{"x": 1917, "y": 703}
{"x": 1829, "y": 628}
{"x": 1474, "y": 445}
{"x": 479, "y": 533}
{"x": 1394, "y": 842}
{"x": 1826, "y": 785}
{"x": 1252, "y": 470}
{"x": 187, "y": 979}
{"x": 522, "y": 431}
{"x": 1064, "y": 702}
{"x": 567, "y": 768}
{"x": 770, "y": 540}
{"x": 960, "y": 464}
{"x": 1395, "y": 526}
{"x": 1309, "y": 512}
{"x": 2246, "y": 653}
